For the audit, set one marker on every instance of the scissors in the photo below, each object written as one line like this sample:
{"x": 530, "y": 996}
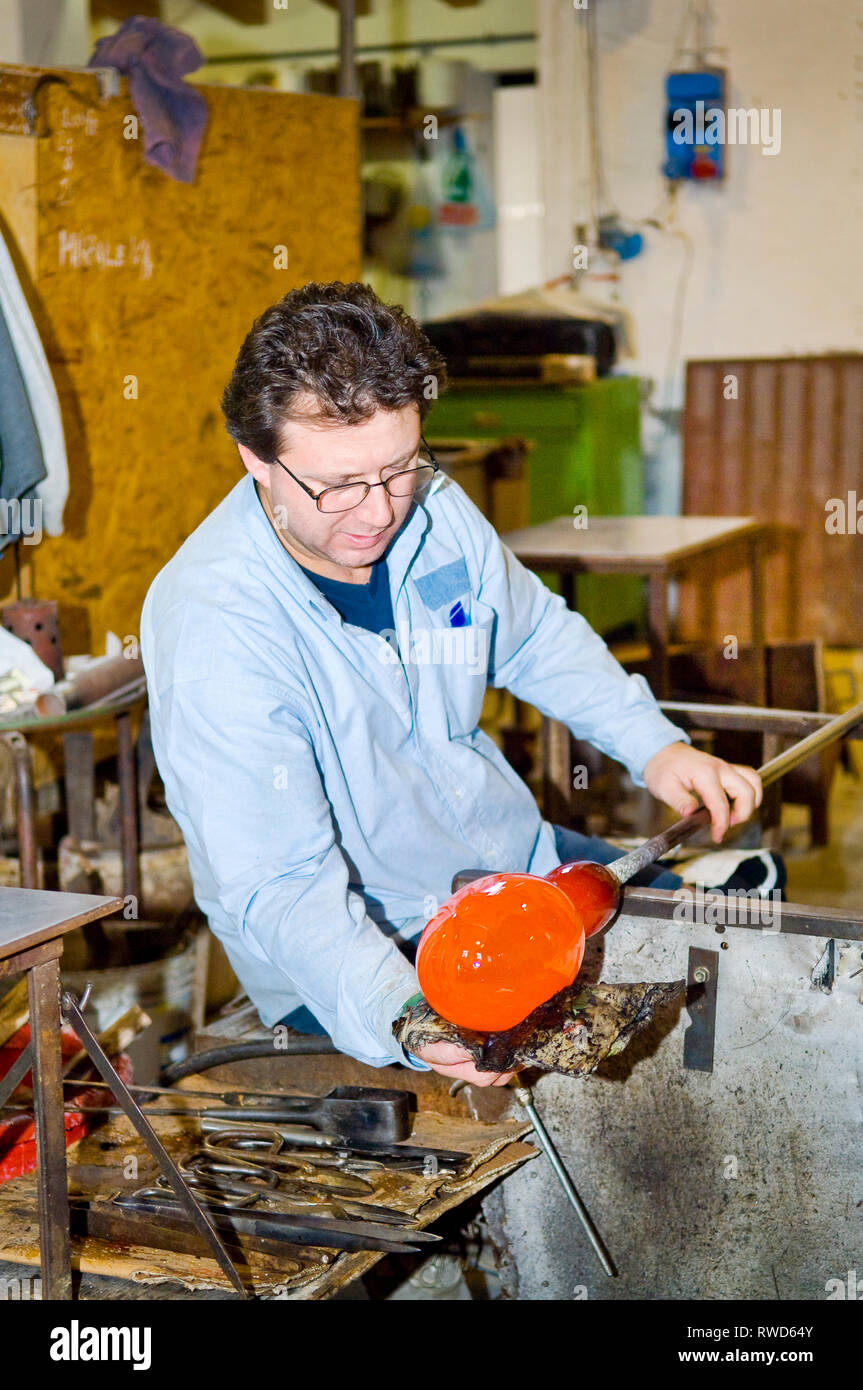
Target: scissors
{"x": 267, "y": 1146}
{"x": 228, "y": 1184}
{"x": 325, "y": 1152}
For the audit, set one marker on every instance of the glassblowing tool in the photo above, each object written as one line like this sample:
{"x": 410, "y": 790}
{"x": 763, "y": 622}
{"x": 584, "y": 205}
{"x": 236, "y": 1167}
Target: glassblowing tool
{"x": 253, "y": 1184}
{"x": 570, "y": 1033}
{"x": 524, "y": 1097}
{"x": 318, "y": 1147}
{"x": 100, "y": 1219}
{"x": 229, "y": 1149}
{"x": 594, "y": 889}
{"x": 363, "y": 1114}
{"x": 299, "y": 1228}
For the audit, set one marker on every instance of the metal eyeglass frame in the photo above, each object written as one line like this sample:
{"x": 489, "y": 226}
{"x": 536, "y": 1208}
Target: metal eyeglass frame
{"x": 339, "y": 487}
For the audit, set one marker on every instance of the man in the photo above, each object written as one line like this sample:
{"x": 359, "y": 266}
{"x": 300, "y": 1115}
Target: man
{"x": 315, "y": 698}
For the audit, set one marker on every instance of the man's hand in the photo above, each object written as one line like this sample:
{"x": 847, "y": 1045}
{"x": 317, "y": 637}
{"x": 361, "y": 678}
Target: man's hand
{"x": 679, "y": 775}
{"x": 451, "y": 1060}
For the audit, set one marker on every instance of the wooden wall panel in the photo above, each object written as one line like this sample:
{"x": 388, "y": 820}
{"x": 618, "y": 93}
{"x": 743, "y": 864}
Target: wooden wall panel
{"x": 145, "y": 285}
{"x": 790, "y": 441}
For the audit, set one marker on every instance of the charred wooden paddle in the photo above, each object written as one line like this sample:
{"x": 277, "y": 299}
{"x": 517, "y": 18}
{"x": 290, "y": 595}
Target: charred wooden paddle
{"x": 570, "y": 1033}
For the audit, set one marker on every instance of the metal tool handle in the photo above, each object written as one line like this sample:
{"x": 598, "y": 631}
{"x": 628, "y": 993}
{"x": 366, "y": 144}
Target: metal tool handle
{"x": 630, "y": 864}
{"x": 563, "y": 1178}
{"x": 525, "y": 1099}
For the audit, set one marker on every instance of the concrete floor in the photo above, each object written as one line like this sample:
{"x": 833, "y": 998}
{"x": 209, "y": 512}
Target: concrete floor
{"x": 832, "y": 876}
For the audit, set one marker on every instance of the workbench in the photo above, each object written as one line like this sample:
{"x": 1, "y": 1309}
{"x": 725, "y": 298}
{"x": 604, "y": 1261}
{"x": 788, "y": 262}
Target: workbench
{"x": 98, "y": 1166}
{"x": 660, "y": 547}
{"x": 32, "y": 926}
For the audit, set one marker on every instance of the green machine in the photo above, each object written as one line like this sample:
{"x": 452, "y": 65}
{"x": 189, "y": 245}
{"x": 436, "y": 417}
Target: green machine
{"x": 586, "y": 453}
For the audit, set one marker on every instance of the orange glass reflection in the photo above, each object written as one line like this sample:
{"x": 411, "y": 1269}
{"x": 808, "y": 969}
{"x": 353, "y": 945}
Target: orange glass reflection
{"x": 591, "y": 888}
{"x": 497, "y": 949}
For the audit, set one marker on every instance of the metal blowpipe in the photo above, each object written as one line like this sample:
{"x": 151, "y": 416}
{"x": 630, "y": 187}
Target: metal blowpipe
{"x": 624, "y": 869}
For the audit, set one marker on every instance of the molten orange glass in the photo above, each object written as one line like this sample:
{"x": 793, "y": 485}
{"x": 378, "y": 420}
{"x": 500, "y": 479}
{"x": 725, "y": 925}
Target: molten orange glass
{"x": 591, "y": 888}
{"x": 497, "y": 949}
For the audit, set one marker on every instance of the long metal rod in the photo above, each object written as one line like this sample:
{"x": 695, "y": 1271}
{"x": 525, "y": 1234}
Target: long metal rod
{"x": 25, "y": 809}
{"x": 15, "y": 1075}
{"x": 624, "y": 869}
{"x": 145, "y": 1091}
{"x": 127, "y": 784}
{"x": 347, "y": 60}
{"x": 524, "y": 1097}
{"x": 799, "y": 752}
{"x": 70, "y": 1108}
{"x": 750, "y": 719}
{"x": 401, "y": 46}
{"x": 199, "y": 1218}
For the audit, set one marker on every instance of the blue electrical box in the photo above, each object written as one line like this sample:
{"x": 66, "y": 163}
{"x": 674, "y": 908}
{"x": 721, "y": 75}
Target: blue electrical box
{"x": 695, "y": 125}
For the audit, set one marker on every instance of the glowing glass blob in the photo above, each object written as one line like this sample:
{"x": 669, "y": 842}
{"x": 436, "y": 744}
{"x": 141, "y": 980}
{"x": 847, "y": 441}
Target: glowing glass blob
{"x": 591, "y": 888}
{"x": 497, "y": 949}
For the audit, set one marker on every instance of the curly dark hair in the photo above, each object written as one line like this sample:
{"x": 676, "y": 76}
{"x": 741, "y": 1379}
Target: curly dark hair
{"x": 337, "y": 343}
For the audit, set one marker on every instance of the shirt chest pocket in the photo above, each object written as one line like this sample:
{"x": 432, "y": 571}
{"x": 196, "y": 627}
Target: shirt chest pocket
{"x": 453, "y": 641}
{"x": 466, "y": 674}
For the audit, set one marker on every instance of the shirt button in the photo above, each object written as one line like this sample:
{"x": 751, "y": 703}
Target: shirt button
{"x": 457, "y": 791}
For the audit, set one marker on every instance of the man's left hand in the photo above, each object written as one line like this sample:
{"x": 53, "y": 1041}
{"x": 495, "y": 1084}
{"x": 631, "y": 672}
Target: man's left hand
{"x": 681, "y": 776}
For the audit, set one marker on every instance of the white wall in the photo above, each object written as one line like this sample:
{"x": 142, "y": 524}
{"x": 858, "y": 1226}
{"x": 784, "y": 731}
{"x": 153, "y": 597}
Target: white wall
{"x": 518, "y": 188}
{"x": 43, "y": 32}
{"x": 777, "y": 248}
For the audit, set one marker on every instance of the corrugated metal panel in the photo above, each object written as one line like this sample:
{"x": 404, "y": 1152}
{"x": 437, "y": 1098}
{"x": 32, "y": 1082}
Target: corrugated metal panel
{"x": 788, "y": 441}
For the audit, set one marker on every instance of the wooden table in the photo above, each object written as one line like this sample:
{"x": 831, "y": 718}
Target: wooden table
{"x": 32, "y": 926}
{"x": 659, "y": 547}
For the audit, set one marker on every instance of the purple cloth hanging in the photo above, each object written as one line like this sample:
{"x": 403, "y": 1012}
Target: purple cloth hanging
{"x": 154, "y": 59}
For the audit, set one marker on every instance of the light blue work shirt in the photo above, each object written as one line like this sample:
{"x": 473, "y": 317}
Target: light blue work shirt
{"x": 330, "y": 781}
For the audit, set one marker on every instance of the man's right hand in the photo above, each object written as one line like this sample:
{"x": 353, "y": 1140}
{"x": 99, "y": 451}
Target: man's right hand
{"x": 451, "y": 1060}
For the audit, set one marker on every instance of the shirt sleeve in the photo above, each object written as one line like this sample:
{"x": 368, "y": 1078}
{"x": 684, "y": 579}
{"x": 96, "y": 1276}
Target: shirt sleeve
{"x": 551, "y": 657}
{"x": 240, "y": 768}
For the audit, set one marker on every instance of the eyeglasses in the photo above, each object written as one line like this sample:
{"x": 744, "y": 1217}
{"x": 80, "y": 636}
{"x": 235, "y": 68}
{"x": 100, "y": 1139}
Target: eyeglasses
{"x": 403, "y": 482}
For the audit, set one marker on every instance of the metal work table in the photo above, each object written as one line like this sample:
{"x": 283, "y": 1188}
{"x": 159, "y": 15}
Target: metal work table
{"x": 718, "y": 1153}
{"x": 660, "y": 547}
{"x": 774, "y": 724}
{"x": 32, "y": 926}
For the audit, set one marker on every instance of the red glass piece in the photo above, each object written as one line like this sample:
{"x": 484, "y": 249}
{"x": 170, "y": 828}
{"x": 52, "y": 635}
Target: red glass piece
{"x": 497, "y": 949}
{"x": 592, "y": 889}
